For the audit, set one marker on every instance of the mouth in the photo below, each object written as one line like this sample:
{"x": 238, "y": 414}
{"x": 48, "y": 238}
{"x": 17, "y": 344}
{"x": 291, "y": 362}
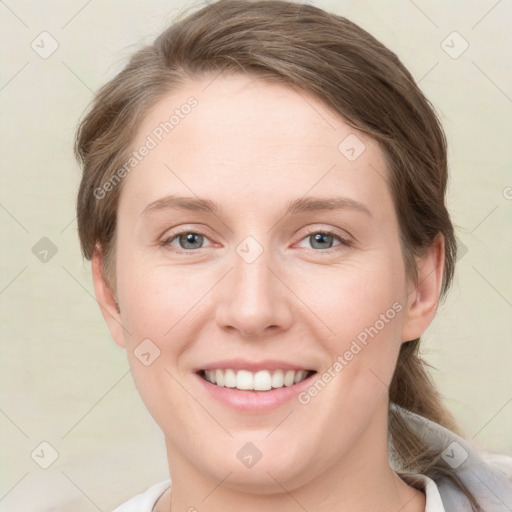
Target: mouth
{"x": 260, "y": 381}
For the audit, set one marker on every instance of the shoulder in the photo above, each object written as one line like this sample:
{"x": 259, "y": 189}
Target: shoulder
{"x": 500, "y": 461}
{"x": 145, "y": 501}
{"x": 488, "y": 476}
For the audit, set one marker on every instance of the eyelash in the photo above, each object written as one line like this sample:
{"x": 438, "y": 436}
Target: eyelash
{"x": 343, "y": 241}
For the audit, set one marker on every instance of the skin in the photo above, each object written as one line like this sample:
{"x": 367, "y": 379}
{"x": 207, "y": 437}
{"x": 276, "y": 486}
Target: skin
{"x": 251, "y": 147}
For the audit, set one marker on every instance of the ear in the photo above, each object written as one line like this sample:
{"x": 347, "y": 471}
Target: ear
{"x": 424, "y": 298}
{"x": 105, "y": 297}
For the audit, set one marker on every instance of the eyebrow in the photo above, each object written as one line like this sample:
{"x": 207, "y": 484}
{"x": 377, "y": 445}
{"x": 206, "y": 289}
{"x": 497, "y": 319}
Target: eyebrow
{"x": 301, "y": 205}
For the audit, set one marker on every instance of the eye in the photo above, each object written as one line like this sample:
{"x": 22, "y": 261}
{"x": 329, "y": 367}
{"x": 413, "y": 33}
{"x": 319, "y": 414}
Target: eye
{"x": 321, "y": 239}
{"x": 187, "y": 240}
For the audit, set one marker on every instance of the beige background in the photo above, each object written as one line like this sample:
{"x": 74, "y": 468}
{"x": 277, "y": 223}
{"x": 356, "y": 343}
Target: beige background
{"x": 64, "y": 382}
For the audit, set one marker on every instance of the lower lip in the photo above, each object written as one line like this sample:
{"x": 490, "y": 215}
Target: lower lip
{"x": 255, "y": 401}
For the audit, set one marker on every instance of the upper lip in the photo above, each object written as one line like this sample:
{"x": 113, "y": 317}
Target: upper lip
{"x": 253, "y": 366}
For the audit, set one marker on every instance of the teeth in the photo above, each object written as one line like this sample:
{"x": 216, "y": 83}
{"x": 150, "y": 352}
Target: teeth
{"x": 262, "y": 380}
{"x": 229, "y": 379}
{"x": 299, "y": 376}
{"x": 289, "y": 378}
{"x": 244, "y": 379}
{"x": 277, "y": 379}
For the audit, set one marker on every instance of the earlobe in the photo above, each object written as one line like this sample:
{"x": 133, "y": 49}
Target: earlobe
{"x": 424, "y": 298}
{"x": 106, "y": 300}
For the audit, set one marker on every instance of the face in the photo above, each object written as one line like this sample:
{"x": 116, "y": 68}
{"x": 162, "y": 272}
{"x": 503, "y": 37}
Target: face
{"x": 259, "y": 235}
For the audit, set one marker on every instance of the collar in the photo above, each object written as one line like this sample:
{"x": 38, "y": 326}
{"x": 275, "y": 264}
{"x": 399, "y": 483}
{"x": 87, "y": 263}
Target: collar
{"x": 490, "y": 483}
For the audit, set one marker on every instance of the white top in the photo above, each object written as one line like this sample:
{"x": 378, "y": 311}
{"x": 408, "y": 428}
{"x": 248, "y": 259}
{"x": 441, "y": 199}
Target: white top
{"x": 145, "y": 501}
{"x": 433, "y": 501}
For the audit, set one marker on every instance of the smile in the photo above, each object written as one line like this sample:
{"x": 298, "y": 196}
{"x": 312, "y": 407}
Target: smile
{"x": 262, "y": 380}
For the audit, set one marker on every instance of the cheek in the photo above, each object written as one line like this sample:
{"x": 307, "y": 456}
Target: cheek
{"x": 159, "y": 315}
{"x": 163, "y": 303}
{"x": 362, "y": 306}
{"x": 353, "y": 296}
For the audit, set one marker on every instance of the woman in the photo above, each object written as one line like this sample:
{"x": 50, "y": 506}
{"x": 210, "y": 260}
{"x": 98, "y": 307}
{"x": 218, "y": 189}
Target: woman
{"x": 283, "y": 373}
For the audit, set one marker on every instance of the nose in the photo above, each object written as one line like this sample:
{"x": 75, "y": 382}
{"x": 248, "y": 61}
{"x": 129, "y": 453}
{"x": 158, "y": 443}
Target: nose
{"x": 254, "y": 300}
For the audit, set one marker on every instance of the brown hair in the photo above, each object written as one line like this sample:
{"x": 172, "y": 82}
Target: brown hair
{"x": 350, "y": 71}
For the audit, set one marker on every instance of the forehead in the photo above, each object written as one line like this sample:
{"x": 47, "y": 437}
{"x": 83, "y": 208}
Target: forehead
{"x": 248, "y": 137}
{"x": 243, "y": 107}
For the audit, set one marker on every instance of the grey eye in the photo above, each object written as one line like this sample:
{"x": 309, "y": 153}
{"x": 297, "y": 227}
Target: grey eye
{"x": 190, "y": 240}
{"x": 321, "y": 239}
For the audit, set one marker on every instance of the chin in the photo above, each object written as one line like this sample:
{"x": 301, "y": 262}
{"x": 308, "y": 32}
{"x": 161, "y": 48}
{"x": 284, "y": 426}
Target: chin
{"x": 270, "y": 469}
